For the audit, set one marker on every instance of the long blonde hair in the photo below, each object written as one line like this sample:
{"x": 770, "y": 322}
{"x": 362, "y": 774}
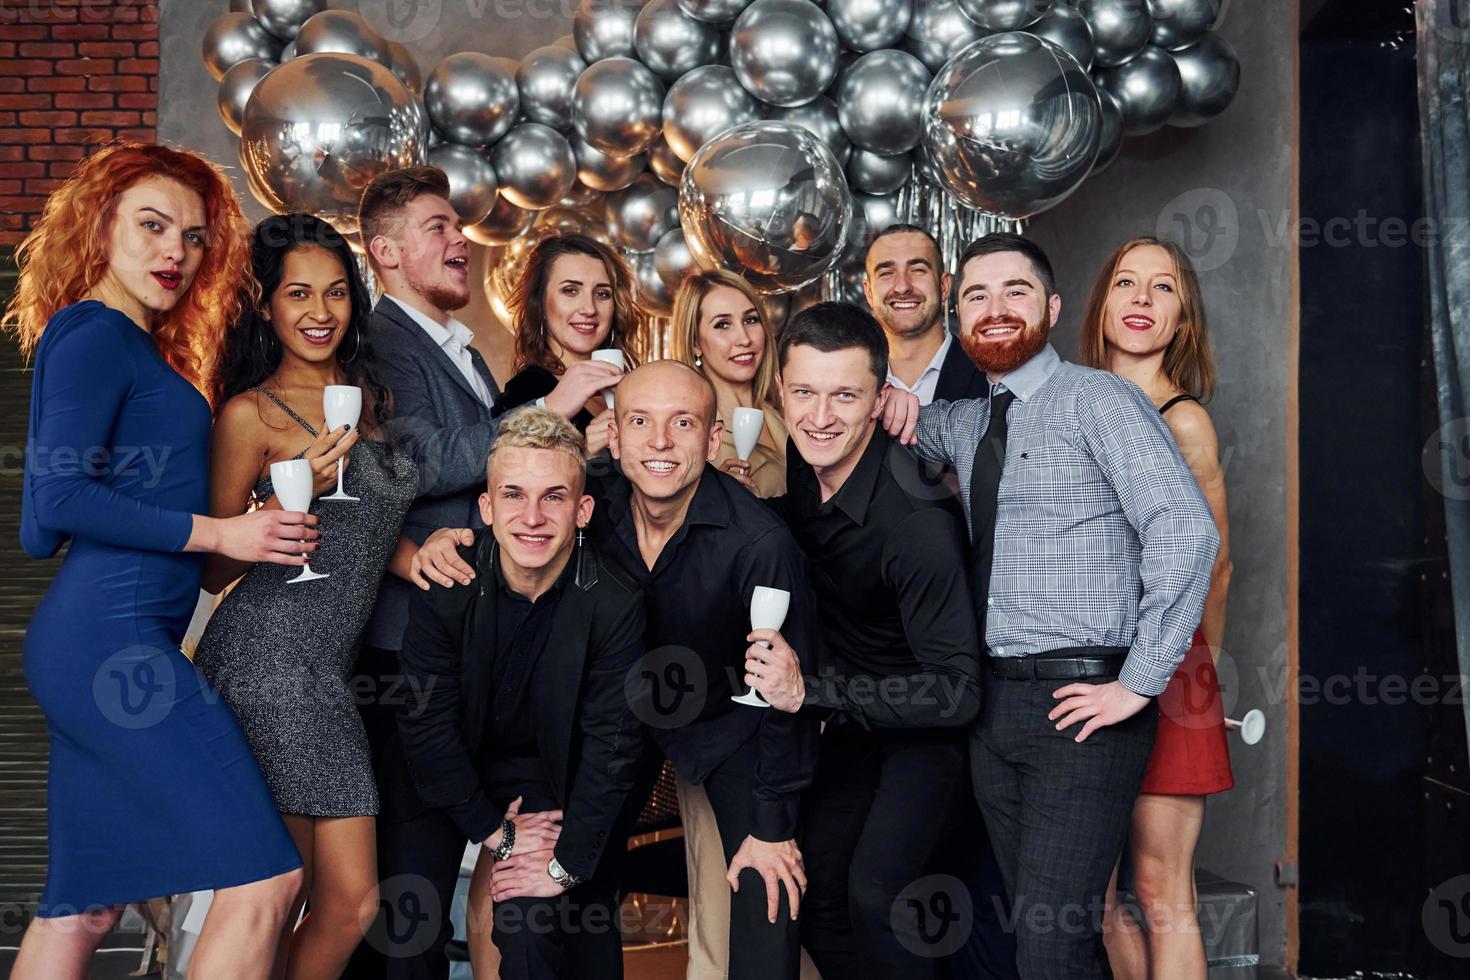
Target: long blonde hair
{"x": 684, "y": 332}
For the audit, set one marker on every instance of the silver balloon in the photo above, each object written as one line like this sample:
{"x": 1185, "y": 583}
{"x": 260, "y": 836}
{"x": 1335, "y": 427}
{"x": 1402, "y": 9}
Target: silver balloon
{"x": 235, "y": 37}
{"x": 235, "y": 88}
{"x": 472, "y": 182}
{"x": 545, "y": 78}
{"x": 1012, "y": 124}
{"x": 713, "y": 11}
{"x": 1180, "y": 23}
{"x": 535, "y": 165}
{"x": 604, "y": 29}
{"x": 879, "y": 210}
{"x": 702, "y": 104}
{"x": 1147, "y": 89}
{"x": 405, "y": 66}
{"x": 604, "y": 173}
{"x": 617, "y": 106}
{"x": 664, "y": 162}
{"x": 1209, "y": 74}
{"x": 637, "y": 216}
{"x": 1120, "y": 29}
{"x": 288, "y": 52}
{"x": 650, "y": 292}
{"x": 582, "y": 196}
{"x": 874, "y": 174}
{"x": 284, "y": 18}
{"x": 343, "y": 32}
{"x": 768, "y": 199}
{"x": 672, "y": 258}
{"x": 784, "y": 51}
{"x": 319, "y": 128}
{"x": 502, "y": 225}
{"x": 1112, "y": 132}
{"x": 880, "y": 101}
{"x": 938, "y": 29}
{"x": 472, "y": 98}
{"x": 993, "y": 16}
{"x": 820, "y": 116}
{"x": 868, "y": 25}
{"x": 671, "y": 42}
{"x": 1068, "y": 30}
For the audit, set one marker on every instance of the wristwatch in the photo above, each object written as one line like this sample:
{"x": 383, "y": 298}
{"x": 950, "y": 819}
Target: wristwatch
{"x": 561, "y": 875}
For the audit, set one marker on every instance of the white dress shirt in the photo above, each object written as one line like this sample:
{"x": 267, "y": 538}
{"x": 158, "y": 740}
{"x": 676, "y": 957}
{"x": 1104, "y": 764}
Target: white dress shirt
{"x": 928, "y": 381}
{"x": 455, "y": 338}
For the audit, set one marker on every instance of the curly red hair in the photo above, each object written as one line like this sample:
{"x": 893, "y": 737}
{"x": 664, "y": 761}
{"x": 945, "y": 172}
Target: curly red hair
{"x": 65, "y": 255}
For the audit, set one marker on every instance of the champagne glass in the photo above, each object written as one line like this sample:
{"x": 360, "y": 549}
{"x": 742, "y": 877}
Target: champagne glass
{"x": 745, "y": 428}
{"x": 615, "y": 358}
{"x": 342, "y": 405}
{"x": 767, "y": 612}
{"x": 1252, "y": 726}
{"x": 292, "y": 481}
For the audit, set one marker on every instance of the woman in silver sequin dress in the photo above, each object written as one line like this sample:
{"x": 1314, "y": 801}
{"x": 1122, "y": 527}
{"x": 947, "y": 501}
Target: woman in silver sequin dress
{"x": 281, "y": 653}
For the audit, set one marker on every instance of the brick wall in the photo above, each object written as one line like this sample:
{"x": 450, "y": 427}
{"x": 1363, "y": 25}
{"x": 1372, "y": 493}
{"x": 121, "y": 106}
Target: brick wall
{"x": 73, "y": 73}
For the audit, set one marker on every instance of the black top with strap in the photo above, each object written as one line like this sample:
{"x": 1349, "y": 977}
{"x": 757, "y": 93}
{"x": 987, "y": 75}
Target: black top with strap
{"x": 1175, "y": 401}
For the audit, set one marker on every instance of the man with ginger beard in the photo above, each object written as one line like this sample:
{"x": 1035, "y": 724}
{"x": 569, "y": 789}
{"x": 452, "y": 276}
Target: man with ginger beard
{"x": 1092, "y": 548}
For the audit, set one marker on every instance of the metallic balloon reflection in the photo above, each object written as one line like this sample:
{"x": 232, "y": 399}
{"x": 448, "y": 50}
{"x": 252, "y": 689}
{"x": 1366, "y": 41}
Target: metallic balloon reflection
{"x": 342, "y": 32}
{"x": 938, "y": 29}
{"x": 535, "y": 165}
{"x": 545, "y": 79}
{"x": 868, "y": 25}
{"x": 784, "y": 51}
{"x": 1012, "y": 124}
{"x": 1005, "y": 15}
{"x": 618, "y": 106}
{"x": 1068, "y": 30}
{"x": 234, "y": 37}
{"x": 284, "y": 18}
{"x": 650, "y": 293}
{"x": 768, "y": 199}
{"x": 235, "y": 88}
{"x": 1209, "y": 74}
{"x": 319, "y": 128}
{"x": 1147, "y": 89}
{"x": 473, "y": 98}
{"x": 472, "y": 183}
{"x": 638, "y": 216}
{"x": 502, "y": 225}
{"x": 703, "y": 104}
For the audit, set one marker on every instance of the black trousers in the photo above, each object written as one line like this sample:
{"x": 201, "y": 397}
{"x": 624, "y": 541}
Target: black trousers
{"x": 759, "y": 950}
{"x": 1057, "y": 813}
{"x": 871, "y": 825}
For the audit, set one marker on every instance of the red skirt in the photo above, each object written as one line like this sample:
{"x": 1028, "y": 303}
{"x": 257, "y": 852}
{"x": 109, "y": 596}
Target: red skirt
{"x": 1190, "y": 757}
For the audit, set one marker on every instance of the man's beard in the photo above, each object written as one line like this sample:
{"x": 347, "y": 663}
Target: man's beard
{"x": 998, "y": 359}
{"x": 441, "y": 295}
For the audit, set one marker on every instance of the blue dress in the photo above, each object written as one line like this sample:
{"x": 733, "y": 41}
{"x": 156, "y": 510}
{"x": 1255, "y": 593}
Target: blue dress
{"x": 152, "y": 787}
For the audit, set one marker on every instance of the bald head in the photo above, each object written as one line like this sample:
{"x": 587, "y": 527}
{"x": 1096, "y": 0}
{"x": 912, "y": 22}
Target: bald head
{"x": 667, "y": 385}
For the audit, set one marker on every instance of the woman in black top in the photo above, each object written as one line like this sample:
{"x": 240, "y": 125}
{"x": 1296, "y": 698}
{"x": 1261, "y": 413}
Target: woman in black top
{"x": 574, "y": 298}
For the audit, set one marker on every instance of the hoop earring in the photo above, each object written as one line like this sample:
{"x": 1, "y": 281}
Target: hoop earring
{"x": 357, "y": 335}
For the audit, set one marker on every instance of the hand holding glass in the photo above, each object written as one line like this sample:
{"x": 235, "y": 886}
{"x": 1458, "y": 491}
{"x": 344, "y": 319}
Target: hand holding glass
{"x": 342, "y": 405}
{"x": 767, "y": 612}
{"x": 615, "y": 358}
{"x": 292, "y": 480}
{"x": 745, "y": 429}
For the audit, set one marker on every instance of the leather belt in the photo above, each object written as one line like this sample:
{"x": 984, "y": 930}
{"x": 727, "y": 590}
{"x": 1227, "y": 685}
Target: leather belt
{"x": 1059, "y": 665}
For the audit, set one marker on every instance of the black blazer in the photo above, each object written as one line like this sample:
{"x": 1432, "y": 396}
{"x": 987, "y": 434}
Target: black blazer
{"x": 585, "y": 724}
{"x": 959, "y": 377}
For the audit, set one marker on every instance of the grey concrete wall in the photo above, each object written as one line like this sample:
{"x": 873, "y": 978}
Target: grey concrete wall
{"x": 1226, "y": 189}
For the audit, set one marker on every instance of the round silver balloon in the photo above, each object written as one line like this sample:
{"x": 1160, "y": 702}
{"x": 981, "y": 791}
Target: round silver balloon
{"x": 284, "y": 18}
{"x": 784, "y": 51}
{"x": 664, "y": 162}
{"x": 1180, "y": 23}
{"x": 672, "y": 258}
{"x": 1120, "y": 29}
{"x": 1209, "y": 76}
{"x": 235, "y": 88}
{"x": 504, "y": 224}
{"x": 650, "y": 293}
{"x": 545, "y": 78}
{"x": 535, "y": 165}
{"x": 713, "y": 11}
{"x": 1068, "y": 30}
{"x": 637, "y": 216}
{"x": 671, "y": 42}
{"x": 768, "y": 199}
{"x": 604, "y": 29}
{"x": 879, "y": 210}
{"x": 319, "y": 128}
{"x": 820, "y": 116}
{"x": 1146, "y": 88}
{"x": 1112, "y": 131}
{"x": 473, "y": 98}
{"x": 472, "y": 182}
{"x": 869, "y": 25}
{"x": 617, "y": 106}
{"x": 703, "y": 104}
{"x": 581, "y": 196}
{"x": 405, "y": 66}
{"x": 604, "y": 173}
{"x": 880, "y": 101}
{"x": 342, "y": 32}
{"x": 1012, "y": 124}
{"x": 938, "y": 29}
{"x": 873, "y": 174}
{"x": 235, "y": 37}
{"x": 993, "y": 16}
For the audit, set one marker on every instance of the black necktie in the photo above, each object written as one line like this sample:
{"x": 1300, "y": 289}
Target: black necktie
{"x": 990, "y": 457}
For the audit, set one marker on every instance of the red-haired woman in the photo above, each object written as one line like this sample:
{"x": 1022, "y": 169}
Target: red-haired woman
{"x": 126, "y": 286}
{"x": 1145, "y": 321}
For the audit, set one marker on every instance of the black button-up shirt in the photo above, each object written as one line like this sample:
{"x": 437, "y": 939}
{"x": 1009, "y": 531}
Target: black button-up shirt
{"x": 887, "y": 558}
{"x": 698, "y": 602}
